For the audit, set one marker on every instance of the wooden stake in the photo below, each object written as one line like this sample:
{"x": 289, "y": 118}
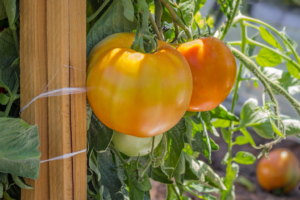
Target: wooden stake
{"x": 50, "y": 43}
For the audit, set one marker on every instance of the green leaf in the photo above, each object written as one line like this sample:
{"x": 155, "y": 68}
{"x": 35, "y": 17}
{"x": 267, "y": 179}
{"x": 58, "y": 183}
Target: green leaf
{"x": 269, "y": 38}
{"x": 93, "y": 166}
{"x": 244, "y": 158}
{"x": 241, "y": 140}
{"x": 109, "y": 177}
{"x": 89, "y": 113}
{"x": 166, "y": 16}
{"x": 178, "y": 174}
{"x": 20, "y": 183}
{"x": 267, "y": 58}
{"x": 3, "y": 99}
{"x": 189, "y": 129}
{"x": 293, "y": 70}
{"x": 225, "y": 159}
{"x": 128, "y": 10}
{"x": 8, "y": 52}
{"x": 23, "y": 140}
{"x": 190, "y": 6}
{"x": 226, "y": 135}
{"x": 248, "y": 136}
{"x": 201, "y": 172}
{"x": 289, "y": 83}
{"x": 250, "y": 116}
{"x": 200, "y": 188}
{"x": 292, "y": 126}
{"x": 175, "y": 146}
{"x": 142, "y": 183}
{"x": 12, "y": 12}
{"x": 250, "y": 48}
{"x": 206, "y": 118}
{"x": 1, "y": 190}
{"x": 112, "y": 21}
{"x": 275, "y": 129}
{"x": 2, "y": 11}
{"x": 158, "y": 175}
{"x": 231, "y": 175}
{"x": 292, "y": 42}
{"x": 221, "y": 112}
{"x": 99, "y": 136}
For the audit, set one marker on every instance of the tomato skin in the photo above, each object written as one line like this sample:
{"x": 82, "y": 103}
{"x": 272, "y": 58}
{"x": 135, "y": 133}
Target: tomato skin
{"x": 281, "y": 172}
{"x": 134, "y": 146}
{"x": 134, "y": 93}
{"x": 214, "y": 72}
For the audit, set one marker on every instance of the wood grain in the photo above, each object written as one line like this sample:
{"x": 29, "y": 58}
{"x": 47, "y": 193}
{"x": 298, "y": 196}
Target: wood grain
{"x": 33, "y": 79}
{"x": 53, "y": 37}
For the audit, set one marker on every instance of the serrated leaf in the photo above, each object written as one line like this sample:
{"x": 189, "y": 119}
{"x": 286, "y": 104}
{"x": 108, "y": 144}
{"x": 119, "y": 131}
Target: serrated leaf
{"x": 109, "y": 176}
{"x": 226, "y": 135}
{"x": 292, "y": 42}
{"x": 250, "y": 48}
{"x": 89, "y": 113}
{"x": 231, "y": 175}
{"x": 250, "y": 116}
{"x": 269, "y": 38}
{"x": 8, "y": 52}
{"x": 198, "y": 170}
{"x": 267, "y": 58}
{"x": 241, "y": 140}
{"x": 23, "y": 140}
{"x": 275, "y": 129}
{"x": 221, "y": 112}
{"x": 99, "y": 136}
{"x": 179, "y": 171}
{"x": 141, "y": 183}
{"x": 158, "y": 175}
{"x": 112, "y": 21}
{"x": 244, "y": 158}
{"x": 175, "y": 146}
{"x": 190, "y": 6}
{"x": 12, "y": 11}
{"x": 2, "y": 11}
{"x": 207, "y": 118}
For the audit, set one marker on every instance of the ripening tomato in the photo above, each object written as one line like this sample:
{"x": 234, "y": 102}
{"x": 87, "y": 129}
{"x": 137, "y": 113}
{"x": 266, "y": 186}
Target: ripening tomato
{"x": 135, "y": 93}
{"x": 280, "y": 172}
{"x": 214, "y": 72}
{"x": 134, "y": 146}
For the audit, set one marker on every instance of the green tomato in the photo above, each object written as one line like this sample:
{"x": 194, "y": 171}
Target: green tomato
{"x": 134, "y": 146}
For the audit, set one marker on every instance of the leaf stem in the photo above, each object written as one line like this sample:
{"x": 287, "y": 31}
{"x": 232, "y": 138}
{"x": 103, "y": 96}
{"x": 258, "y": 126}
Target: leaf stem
{"x": 158, "y": 14}
{"x": 169, "y": 192}
{"x": 155, "y": 29}
{"x": 229, "y": 23}
{"x": 176, "y": 19}
{"x": 118, "y": 154}
{"x": 242, "y": 17}
{"x": 174, "y": 189}
{"x": 13, "y": 97}
{"x": 255, "y": 70}
{"x": 95, "y": 14}
{"x": 250, "y": 41}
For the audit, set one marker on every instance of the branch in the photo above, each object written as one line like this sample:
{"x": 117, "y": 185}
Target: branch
{"x": 255, "y": 70}
{"x": 155, "y": 29}
{"x": 158, "y": 14}
{"x": 94, "y": 15}
{"x": 176, "y": 19}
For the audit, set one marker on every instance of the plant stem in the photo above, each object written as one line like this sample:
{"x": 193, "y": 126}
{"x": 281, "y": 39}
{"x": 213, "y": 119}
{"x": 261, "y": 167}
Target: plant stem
{"x": 236, "y": 43}
{"x": 13, "y": 97}
{"x": 169, "y": 192}
{"x": 118, "y": 154}
{"x": 176, "y": 19}
{"x": 250, "y": 41}
{"x": 274, "y": 30}
{"x": 155, "y": 27}
{"x": 229, "y": 23}
{"x": 255, "y": 70}
{"x": 174, "y": 189}
{"x": 94, "y": 15}
{"x": 158, "y": 14}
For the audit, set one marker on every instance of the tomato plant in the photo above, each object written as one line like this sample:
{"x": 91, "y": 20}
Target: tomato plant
{"x": 281, "y": 171}
{"x": 214, "y": 72}
{"x": 139, "y": 96}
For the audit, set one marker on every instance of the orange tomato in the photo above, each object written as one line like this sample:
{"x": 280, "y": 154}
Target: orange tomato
{"x": 137, "y": 94}
{"x": 214, "y": 72}
{"x": 280, "y": 172}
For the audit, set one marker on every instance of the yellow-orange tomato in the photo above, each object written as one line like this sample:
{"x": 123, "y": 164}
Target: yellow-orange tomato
{"x": 214, "y": 72}
{"x": 280, "y": 172}
{"x": 134, "y": 93}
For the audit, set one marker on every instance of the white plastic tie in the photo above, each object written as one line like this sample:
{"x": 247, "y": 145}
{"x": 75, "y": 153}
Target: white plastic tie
{"x": 65, "y": 156}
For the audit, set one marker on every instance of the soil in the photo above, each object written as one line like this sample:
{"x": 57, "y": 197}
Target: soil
{"x": 158, "y": 191}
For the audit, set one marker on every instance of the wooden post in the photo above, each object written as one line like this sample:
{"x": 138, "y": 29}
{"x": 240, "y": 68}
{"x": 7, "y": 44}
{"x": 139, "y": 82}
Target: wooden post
{"x": 53, "y": 37}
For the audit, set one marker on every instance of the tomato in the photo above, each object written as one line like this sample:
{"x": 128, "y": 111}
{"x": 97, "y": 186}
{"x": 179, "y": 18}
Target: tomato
{"x": 134, "y": 146}
{"x": 137, "y": 94}
{"x": 281, "y": 172}
{"x": 214, "y": 72}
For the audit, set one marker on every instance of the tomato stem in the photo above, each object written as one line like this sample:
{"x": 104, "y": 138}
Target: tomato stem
{"x": 229, "y": 23}
{"x": 13, "y": 97}
{"x": 158, "y": 15}
{"x": 176, "y": 19}
{"x": 95, "y": 14}
{"x": 115, "y": 150}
